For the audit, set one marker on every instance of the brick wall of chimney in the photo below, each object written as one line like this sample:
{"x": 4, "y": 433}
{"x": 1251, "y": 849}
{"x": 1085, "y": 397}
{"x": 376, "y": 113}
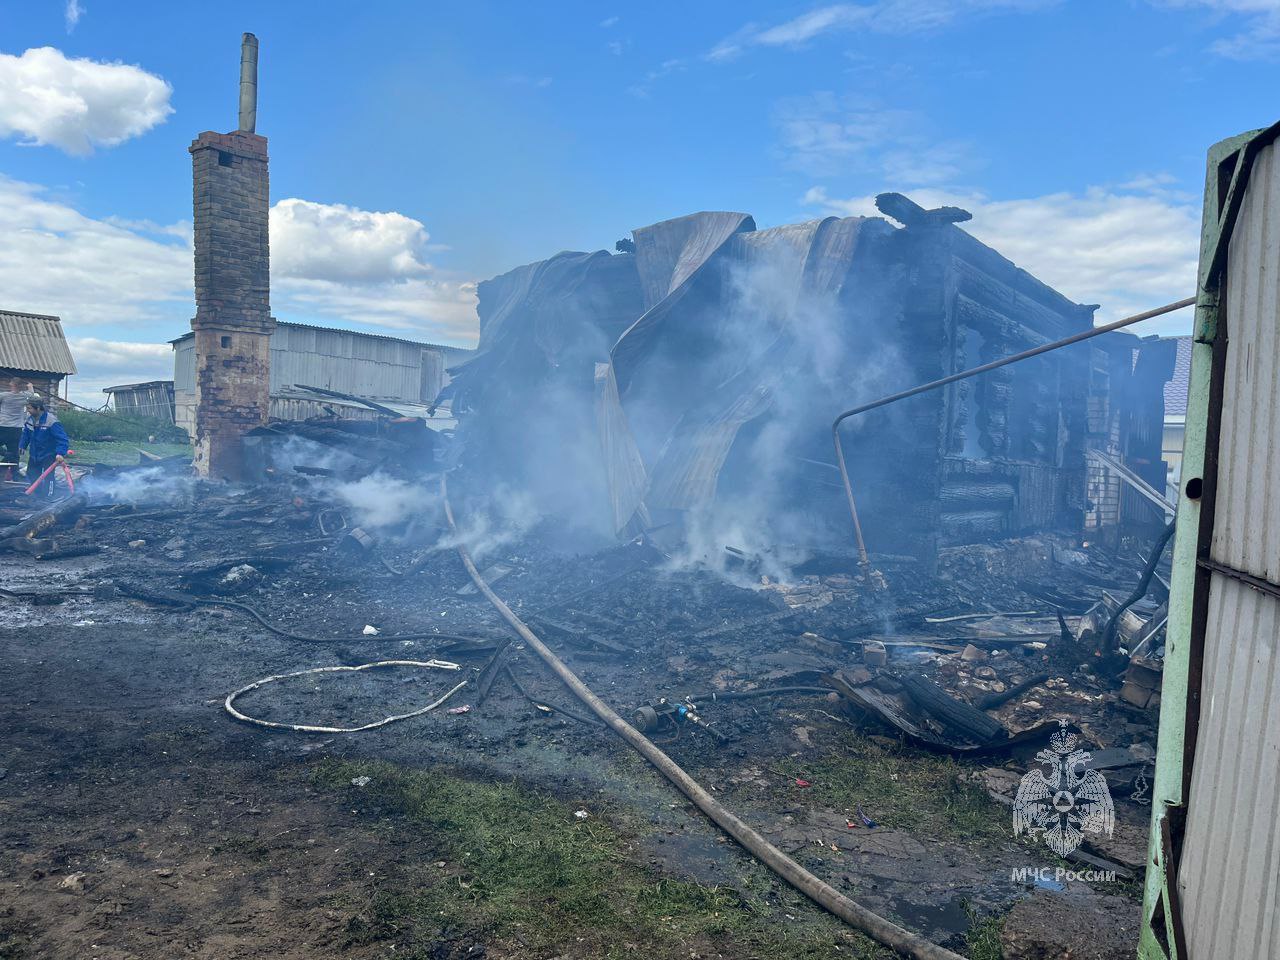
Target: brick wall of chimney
{"x": 233, "y": 321}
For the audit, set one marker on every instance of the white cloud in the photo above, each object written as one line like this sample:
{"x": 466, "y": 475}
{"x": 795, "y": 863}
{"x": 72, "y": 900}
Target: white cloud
{"x": 73, "y": 13}
{"x": 1260, "y": 38}
{"x": 76, "y": 104}
{"x": 95, "y": 273}
{"x": 1130, "y": 247}
{"x": 822, "y": 134}
{"x": 608, "y": 22}
{"x": 428, "y": 309}
{"x": 331, "y": 264}
{"x": 666, "y": 68}
{"x": 54, "y": 259}
{"x": 343, "y": 263}
{"x": 107, "y": 363}
{"x": 113, "y": 355}
{"x": 885, "y": 16}
{"x": 331, "y": 241}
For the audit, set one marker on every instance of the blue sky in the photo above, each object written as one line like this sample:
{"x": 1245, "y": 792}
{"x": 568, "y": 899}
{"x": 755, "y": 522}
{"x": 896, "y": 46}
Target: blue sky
{"x": 417, "y": 148}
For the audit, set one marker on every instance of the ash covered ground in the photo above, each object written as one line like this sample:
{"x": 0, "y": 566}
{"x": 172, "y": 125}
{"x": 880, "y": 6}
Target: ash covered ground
{"x": 138, "y": 819}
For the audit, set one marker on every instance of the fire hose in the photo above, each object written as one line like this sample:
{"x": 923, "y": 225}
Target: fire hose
{"x": 964, "y": 375}
{"x": 71, "y": 484}
{"x": 819, "y": 891}
{"x": 229, "y": 703}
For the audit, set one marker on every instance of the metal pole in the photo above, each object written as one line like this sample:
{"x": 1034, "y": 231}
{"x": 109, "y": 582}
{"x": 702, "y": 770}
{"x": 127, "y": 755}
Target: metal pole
{"x": 248, "y": 83}
{"x": 964, "y": 375}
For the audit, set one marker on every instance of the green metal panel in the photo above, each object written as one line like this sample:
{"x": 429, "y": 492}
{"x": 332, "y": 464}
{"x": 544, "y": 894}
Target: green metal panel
{"x": 1229, "y": 164}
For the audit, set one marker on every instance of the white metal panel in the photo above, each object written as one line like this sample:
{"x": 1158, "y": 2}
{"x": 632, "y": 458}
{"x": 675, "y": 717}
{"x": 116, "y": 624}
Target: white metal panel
{"x": 1246, "y": 529}
{"x": 367, "y": 366}
{"x": 184, "y": 366}
{"x": 1230, "y": 873}
{"x": 1230, "y": 869}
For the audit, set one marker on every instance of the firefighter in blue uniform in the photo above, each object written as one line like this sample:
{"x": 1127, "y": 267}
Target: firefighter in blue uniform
{"x": 45, "y": 441}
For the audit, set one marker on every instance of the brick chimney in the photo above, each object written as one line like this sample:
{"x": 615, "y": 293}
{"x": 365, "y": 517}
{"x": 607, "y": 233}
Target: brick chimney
{"x": 233, "y": 322}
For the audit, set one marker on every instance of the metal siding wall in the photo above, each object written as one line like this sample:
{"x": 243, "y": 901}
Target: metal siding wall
{"x": 184, "y": 366}
{"x": 1230, "y": 871}
{"x": 432, "y": 378}
{"x": 349, "y": 362}
{"x": 290, "y": 408}
{"x": 184, "y": 385}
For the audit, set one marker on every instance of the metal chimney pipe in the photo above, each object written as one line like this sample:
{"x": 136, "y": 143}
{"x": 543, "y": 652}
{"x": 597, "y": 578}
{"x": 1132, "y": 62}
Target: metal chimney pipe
{"x": 248, "y": 83}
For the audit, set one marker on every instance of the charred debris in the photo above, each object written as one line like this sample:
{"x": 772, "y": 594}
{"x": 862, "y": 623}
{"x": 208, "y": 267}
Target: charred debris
{"x": 639, "y": 458}
{"x": 672, "y": 399}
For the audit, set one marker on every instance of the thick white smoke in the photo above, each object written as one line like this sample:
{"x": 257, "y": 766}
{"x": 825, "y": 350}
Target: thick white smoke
{"x": 147, "y": 485}
{"x": 380, "y": 502}
{"x": 804, "y": 347}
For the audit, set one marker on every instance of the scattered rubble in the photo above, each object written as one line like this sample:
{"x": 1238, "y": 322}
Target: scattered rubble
{"x": 963, "y": 664}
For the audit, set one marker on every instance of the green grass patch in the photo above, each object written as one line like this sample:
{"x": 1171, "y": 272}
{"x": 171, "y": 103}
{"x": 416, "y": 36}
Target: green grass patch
{"x": 983, "y": 936}
{"x": 87, "y": 425}
{"x": 521, "y": 867}
{"x": 122, "y": 453}
{"x": 899, "y": 786}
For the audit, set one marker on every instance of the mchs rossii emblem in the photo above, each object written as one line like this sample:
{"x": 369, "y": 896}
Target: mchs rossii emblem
{"x": 1065, "y": 799}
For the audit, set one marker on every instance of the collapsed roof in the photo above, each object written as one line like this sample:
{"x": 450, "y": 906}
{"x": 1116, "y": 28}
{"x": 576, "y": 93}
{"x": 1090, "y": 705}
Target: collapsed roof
{"x": 703, "y": 367}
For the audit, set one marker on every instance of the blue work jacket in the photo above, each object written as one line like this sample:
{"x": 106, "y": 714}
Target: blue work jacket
{"x": 43, "y": 437}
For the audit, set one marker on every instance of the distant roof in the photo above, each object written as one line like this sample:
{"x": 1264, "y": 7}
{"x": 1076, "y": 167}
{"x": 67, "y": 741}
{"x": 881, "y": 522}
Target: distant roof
{"x": 34, "y": 342}
{"x": 354, "y": 333}
{"x": 138, "y": 386}
{"x": 406, "y": 408}
{"x": 1175, "y": 388}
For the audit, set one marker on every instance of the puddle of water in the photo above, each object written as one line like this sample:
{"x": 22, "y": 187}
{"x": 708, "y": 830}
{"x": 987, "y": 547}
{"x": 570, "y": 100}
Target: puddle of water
{"x": 950, "y": 918}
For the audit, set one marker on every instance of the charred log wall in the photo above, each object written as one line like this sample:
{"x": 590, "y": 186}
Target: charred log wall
{"x": 1000, "y": 454}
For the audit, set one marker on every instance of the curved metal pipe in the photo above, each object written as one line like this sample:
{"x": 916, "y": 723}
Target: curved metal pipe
{"x": 964, "y": 375}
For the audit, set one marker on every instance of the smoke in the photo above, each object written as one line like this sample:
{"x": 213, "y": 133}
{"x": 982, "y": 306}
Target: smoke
{"x": 487, "y": 523}
{"x": 527, "y": 405}
{"x": 807, "y": 347}
{"x": 493, "y": 521}
{"x": 146, "y": 485}
{"x": 727, "y": 391}
{"x": 379, "y": 502}
{"x": 294, "y": 451}
{"x": 729, "y": 539}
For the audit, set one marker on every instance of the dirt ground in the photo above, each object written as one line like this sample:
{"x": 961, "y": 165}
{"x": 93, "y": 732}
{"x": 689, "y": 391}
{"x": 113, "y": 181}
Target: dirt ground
{"x": 138, "y": 820}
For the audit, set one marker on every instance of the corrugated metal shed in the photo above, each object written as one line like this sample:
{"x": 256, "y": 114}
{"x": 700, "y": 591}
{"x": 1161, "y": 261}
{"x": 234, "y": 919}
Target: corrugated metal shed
{"x": 151, "y": 399}
{"x": 31, "y": 341}
{"x": 1230, "y": 872}
{"x": 378, "y": 367}
{"x": 350, "y": 362}
{"x": 1214, "y": 886}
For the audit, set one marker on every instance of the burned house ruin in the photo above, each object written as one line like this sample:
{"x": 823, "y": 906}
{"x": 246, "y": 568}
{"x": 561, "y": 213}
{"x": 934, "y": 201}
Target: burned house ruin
{"x": 693, "y": 375}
